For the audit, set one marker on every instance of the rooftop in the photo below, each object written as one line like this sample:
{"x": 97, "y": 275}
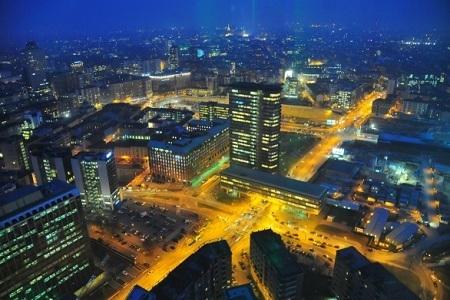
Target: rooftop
{"x": 190, "y": 270}
{"x": 184, "y": 146}
{"x": 241, "y": 292}
{"x": 352, "y": 257}
{"x": 22, "y": 199}
{"x": 402, "y": 233}
{"x": 249, "y": 86}
{"x": 376, "y": 223}
{"x": 295, "y": 186}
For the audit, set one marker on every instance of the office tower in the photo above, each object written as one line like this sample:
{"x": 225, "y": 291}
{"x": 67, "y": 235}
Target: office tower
{"x": 355, "y": 277}
{"x": 213, "y": 110}
{"x": 34, "y": 67}
{"x": 206, "y": 274}
{"x": 96, "y": 178}
{"x": 44, "y": 250}
{"x": 50, "y": 163}
{"x": 14, "y": 154}
{"x": 255, "y": 113}
{"x": 181, "y": 158}
{"x": 276, "y": 268}
{"x": 31, "y": 121}
{"x": 174, "y": 57}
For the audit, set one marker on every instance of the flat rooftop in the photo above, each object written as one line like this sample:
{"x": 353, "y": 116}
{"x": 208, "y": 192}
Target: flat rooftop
{"x": 183, "y": 145}
{"x": 250, "y": 86}
{"x": 295, "y": 186}
{"x": 22, "y": 199}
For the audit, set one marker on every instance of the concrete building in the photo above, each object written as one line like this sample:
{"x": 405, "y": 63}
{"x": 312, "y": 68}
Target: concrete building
{"x": 45, "y": 247}
{"x": 96, "y": 178}
{"x": 355, "y": 277}
{"x": 275, "y": 266}
{"x": 308, "y": 197}
{"x": 14, "y": 154}
{"x": 255, "y": 115}
{"x": 375, "y": 223}
{"x": 180, "y": 159}
{"x": 50, "y": 163}
{"x": 402, "y": 235}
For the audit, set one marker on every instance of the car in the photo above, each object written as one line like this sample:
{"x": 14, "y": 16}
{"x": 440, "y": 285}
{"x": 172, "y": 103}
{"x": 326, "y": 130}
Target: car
{"x": 336, "y": 246}
{"x": 311, "y": 239}
{"x": 311, "y": 250}
{"x": 125, "y": 273}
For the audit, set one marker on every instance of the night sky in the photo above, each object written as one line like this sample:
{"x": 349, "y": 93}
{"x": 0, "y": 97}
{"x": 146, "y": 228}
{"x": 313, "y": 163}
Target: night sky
{"x": 25, "y": 19}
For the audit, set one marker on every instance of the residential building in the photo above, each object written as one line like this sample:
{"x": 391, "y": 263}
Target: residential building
{"x": 276, "y": 268}
{"x": 355, "y": 277}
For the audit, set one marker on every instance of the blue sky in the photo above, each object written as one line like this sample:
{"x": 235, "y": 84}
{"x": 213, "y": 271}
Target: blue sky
{"x": 23, "y": 19}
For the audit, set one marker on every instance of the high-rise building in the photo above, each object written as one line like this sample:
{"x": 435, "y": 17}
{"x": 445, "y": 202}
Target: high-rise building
{"x": 206, "y": 274}
{"x": 51, "y": 163}
{"x": 14, "y": 154}
{"x": 212, "y": 110}
{"x": 355, "y": 277}
{"x": 255, "y": 113}
{"x": 44, "y": 250}
{"x": 276, "y": 268}
{"x": 174, "y": 56}
{"x": 96, "y": 178}
{"x": 34, "y": 67}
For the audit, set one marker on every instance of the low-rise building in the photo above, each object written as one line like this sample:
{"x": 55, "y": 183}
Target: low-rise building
{"x": 238, "y": 180}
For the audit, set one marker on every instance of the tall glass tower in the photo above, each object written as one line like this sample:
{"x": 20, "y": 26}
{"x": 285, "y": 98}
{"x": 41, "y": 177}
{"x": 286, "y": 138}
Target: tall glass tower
{"x": 255, "y": 113}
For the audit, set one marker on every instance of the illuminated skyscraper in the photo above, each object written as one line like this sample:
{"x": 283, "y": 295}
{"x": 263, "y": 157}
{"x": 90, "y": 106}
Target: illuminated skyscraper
{"x": 44, "y": 251}
{"x": 255, "y": 113}
{"x": 96, "y": 178}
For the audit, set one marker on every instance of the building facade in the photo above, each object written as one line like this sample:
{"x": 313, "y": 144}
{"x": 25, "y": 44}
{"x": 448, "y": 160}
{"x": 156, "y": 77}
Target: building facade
{"x": 45, "y": 246}
{"x": 255, "y": 116}
{"x": 181, "y": 159}
{"x": 206, "y": 274}
{"x": 237, "y": 180}
{"x": 213, "y": 110}
{"x": 14, "y": 154}
{"x": 52, "y": 163}
{"x": 276, "y": 268}
{"x": 355, "y": 277}
{"x": 96, "y": 178}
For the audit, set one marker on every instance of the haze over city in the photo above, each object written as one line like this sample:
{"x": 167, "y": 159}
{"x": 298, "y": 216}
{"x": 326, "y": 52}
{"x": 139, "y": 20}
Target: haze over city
{"x": 228, "y": 149}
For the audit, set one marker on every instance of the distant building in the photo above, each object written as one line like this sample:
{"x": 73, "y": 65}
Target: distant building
{"x": 213, "y": 110}
{"x": 34, "y": 67}
{"x": 123, "y": 87}
{"x": 14, "y": 154}
{"x": 355, "y": 277}
{"x": 255, "y": 115}
{"x": 308, "y": 197}
{"x": 172, "y": 80}
{"x": 275, "y": 266}
{"x": 174, "y": 57}
{"x": 180, "y": 159}
{"x": 45, "y": 247}
{"x": 50, "y": 163}
{"x": 96, "y": 178}
{"x": 203, "y": 275}
{"x": 416, "y": 107}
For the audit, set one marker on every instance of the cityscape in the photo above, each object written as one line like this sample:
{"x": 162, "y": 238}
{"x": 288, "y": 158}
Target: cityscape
{"x": 225, "y": 150}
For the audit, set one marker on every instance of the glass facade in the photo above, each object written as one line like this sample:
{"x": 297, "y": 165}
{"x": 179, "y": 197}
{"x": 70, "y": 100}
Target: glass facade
{"x": 44, "y": 252}
{"x": 255, "y": 113}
